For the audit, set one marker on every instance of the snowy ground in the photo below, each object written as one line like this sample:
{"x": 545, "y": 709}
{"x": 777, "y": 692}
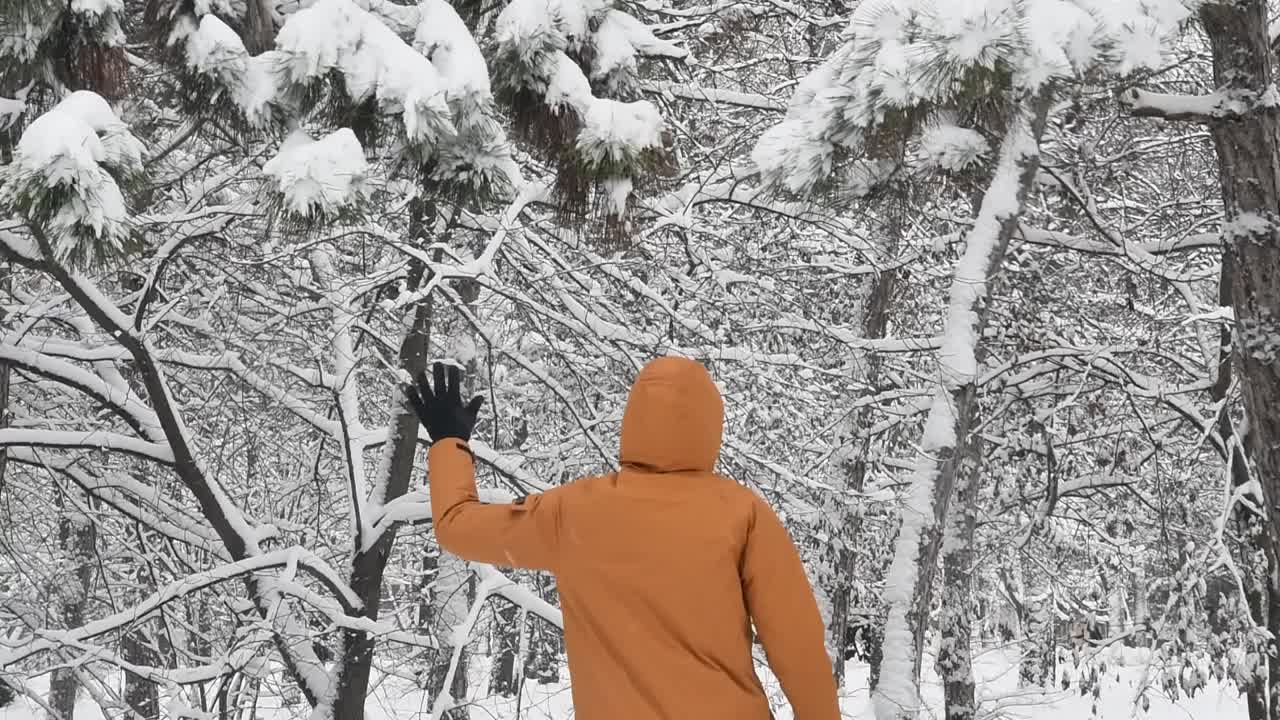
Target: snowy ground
{"x": 996, "y": 671}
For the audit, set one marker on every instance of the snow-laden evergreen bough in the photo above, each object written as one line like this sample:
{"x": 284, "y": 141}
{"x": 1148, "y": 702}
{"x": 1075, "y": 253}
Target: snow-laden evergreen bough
{"x": 939, "y": 78}
{"x": 439, "y": 85}
{"x": 904, "y": 65}
{"x": 543, "y": 48}
{"x": 65, "y": 178}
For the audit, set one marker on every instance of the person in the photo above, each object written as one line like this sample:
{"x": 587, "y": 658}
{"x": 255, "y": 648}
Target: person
{"x": 662, "y": 567}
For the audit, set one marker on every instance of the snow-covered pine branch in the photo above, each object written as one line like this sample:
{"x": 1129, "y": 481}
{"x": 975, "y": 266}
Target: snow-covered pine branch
{"x": 904, "y": 75}
{"x": 65, "y": 177}
{"x": 547, "y": 58}
{"x": 906, "y": 58}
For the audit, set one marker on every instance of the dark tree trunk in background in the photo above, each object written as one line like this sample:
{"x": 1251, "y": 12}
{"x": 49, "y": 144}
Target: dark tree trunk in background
{"x": 141, "y": 695}
{"x": 1248, "y": 149}
{"x": 259, "y": 30}
{"x": 955, "y": 625}
{"x": 4, "y": 390}
{"x": 875, "y": 322}
{"x": 77, "y": 536}
{"x": 1250, "y": 528}
{"x": 508, "y": 632}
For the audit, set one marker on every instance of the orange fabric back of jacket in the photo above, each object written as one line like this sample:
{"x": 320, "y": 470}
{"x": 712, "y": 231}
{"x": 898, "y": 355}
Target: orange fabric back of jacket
{"x": 661, "y": 568}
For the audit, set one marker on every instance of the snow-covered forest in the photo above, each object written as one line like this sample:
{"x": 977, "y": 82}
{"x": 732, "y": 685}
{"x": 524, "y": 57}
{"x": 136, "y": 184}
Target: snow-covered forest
{"x": 991, "y": 289}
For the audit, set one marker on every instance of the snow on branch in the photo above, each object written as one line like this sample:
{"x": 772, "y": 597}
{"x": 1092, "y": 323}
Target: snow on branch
{"x": 86, "y": 440}
{"x": 920, "y": 56}
{"x": 1163, "y": 246}
{"x": 139, "y": 502}
{"x": 619, "y": 40}
{"x": 500, "y": 584}
{"x": 288, "y": 557}
{"x": 337, "y": 36}
{"x": 716, "y": 96}
{"x": 214, "y": 50}
{"x": 415, "y": 507}
{"x": 232, "y": 363}
{"x": 63, "y": 178}
{"x": 492, "y": 582}
{"x": 319, "y": 178}
{"x": 1197, "y": 108}
{"x": 477, "y": 160}
{"x": 119, "y": 399}
{"x": 536, "y": 73}
{"x": 228, "y": 664}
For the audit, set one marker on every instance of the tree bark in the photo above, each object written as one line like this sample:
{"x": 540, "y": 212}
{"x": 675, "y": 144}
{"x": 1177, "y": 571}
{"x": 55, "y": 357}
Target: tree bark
{"x": 259, "y": 30}
{"x": 509, "y": 632}
{"x": 1248, "y": 150}
{"x": 77, "y": 536}
{"x": 955, "y": 624}
{"x": 141, "y": 695}
{"x": 874, "y": 325}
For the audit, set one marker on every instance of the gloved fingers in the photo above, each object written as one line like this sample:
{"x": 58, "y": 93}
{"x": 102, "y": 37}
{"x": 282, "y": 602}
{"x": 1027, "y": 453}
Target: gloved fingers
{"x": 425, "y": 393}
{"x": 473, "y": 408}
{"x": 454, "y": 386}
{"x": 437, "y": 371}
{"x": 415, "y": 400}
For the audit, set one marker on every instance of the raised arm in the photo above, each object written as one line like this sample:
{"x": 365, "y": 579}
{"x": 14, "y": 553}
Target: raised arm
{"x": 786, "y": 617}
{"x": 520, "y": 534}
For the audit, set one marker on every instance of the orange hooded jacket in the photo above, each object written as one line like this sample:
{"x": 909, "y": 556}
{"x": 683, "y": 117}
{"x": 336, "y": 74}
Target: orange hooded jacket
{"x": 661, "y": 567}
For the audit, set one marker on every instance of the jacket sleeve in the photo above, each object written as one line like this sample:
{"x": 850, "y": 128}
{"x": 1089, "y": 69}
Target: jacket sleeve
{"x": 523, "y": 534}
{"x": 786, "y": 617}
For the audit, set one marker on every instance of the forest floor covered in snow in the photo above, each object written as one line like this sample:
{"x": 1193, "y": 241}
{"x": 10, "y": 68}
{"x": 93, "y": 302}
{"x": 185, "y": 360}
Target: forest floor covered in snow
{"x": 996, "y": 671}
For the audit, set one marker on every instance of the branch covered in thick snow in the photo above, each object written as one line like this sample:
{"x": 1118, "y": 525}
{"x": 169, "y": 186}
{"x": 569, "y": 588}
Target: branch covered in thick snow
{"x": 215, "y": 50}
{"x": 287, "y": 557}
{"x": 915, "y": 54}
{"x": 536, "y": 39}
{"x": 1197, "y": 108}
{"x": 139, "y": 502}
{"x": 87, "y": 440}
{"x": 948, "y": 147}
{"x": 319, "y": 178}
{"x": 63, "y": 178}
{"x": 477, "y": 159}
{"x": 620, "y": 39}
{"x": 336, "y": 35}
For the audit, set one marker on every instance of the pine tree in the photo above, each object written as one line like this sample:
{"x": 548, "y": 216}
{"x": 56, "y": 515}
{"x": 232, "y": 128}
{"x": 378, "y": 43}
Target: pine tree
{"x": 951, "y": 82}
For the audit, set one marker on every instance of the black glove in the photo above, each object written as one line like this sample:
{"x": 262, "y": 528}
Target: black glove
{"x": 441, "y": 410}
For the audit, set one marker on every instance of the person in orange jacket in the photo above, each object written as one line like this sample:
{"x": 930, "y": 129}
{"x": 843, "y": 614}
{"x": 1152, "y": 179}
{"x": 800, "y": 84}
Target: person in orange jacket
{"x": 662, "y": 567}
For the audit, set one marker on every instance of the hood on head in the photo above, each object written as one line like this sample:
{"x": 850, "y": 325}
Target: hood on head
{"x": 674, "y": 418}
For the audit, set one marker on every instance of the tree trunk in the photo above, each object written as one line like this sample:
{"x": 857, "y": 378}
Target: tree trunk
{"x": 874, "y": 324}
{"x": 367, "y": 567}
{"x": 543, "y": 659}
{"x": 504, "y": 681}
{"x": 1249, "y": 527}
{"x": 955, "y": 624}
{"x": 141, "y": 695}
{"x": 77, "y": 536}
{"x": 1248, "y": 150}
{"x": 453, "y": 603}
{"x": 259, "y": 30}
{"x": 909, "y": 585}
